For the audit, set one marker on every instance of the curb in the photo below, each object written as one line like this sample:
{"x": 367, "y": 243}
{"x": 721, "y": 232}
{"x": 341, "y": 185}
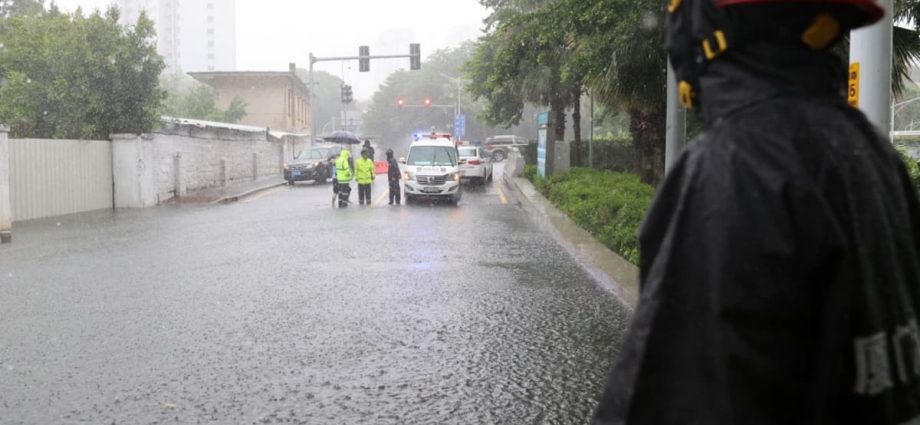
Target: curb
{"x": 611, "y": 271}
{"x": 234, "y": 198}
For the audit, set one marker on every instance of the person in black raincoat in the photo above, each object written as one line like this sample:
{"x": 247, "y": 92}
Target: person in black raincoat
{"x": 394, "y": 175}
{"x": 780, "y": 261}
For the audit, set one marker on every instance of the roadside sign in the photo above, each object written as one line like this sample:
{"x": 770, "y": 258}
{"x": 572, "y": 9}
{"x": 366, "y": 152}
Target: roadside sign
{"x": 460, "y": 126}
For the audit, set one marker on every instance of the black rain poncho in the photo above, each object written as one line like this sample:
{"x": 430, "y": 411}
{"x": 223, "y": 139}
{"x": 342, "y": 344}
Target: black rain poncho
{"x": 780, "y": 267}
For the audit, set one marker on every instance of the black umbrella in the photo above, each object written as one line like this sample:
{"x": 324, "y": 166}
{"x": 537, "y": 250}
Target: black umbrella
{"x": 343, "y": 138}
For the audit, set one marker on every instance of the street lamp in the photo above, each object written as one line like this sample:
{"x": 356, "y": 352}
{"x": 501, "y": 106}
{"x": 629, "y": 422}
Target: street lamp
{"x": 459, "y": 83}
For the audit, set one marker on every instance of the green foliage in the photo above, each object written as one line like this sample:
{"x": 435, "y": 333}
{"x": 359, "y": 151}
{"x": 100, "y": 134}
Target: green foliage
{"x": 187, "y": 98}
{"x": 913, "y": 170}
{"x": 74, "y": 76}
{"x": 530, "y": 172}
{"x": 608, "y": 205}
{"x": 394, "y": 126}
{"x": 9, "y": 8}
{"x": 327, "y": 96}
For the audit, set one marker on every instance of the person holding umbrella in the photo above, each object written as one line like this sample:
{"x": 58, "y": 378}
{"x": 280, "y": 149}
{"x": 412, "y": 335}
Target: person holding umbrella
{"x": 367, "y": 146}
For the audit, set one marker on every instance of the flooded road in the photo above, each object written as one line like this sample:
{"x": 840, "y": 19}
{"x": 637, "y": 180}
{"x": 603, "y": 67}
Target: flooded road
{"x": 280, "y": 309}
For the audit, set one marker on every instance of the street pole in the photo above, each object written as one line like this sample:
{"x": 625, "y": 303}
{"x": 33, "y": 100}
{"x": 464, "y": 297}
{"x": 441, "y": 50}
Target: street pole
{"x": 676, "y": 137}
{"x": 870, "y": 69}
{"x": 312, "y": 100}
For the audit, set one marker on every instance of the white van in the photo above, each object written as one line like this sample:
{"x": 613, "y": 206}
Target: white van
{"x": 432, "y": 169}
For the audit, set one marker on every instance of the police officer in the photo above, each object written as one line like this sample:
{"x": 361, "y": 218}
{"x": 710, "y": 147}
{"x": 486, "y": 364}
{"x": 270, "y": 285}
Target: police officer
{"x": 344, "y": 173}
{"x": 394, "y": 175}
{"x": 364, "y": 174}
{"x": 780, "y": 271}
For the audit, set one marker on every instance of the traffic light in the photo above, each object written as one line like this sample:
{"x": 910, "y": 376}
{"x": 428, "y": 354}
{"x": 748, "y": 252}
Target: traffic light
{"x": 415, "y": 61}
{"x": 400, "y": 103}
{"x": 364, "y": 64}
{"x": 427, "y": 102}
{"x": 347, "y": 95}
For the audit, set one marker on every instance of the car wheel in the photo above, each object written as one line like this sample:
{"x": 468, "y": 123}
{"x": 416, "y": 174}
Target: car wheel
{"x": 409, "y": 199}
{"x": 290, "y": 182}
{"x": 498, "y": 156}
{"x": 490, "y": 176}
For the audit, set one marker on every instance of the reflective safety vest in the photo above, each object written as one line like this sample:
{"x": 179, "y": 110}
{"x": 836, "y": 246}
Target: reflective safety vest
{"x": 342, "y": 168}
{"x": 364, "y": 171}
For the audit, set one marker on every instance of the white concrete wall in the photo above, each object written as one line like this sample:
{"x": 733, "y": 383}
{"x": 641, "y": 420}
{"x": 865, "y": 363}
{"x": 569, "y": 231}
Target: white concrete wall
{"x": 56, "y": 177}
{"x": 6, "y": 211}
{"x": 209, "y": 160}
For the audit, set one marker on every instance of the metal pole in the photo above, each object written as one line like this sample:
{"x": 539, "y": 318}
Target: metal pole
{"x": 676, "y": 137}
{"x": 870, "y": 69}
{"x": 312, "y": 100}
{"x": 591, "y": 135}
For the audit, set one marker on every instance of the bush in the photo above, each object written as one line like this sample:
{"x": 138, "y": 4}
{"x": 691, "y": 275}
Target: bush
{"x": 608, "y": 205}
{"x": 609, "y": 154}
{"x": 530, "y": 172}
{"x": 913, "y": 170}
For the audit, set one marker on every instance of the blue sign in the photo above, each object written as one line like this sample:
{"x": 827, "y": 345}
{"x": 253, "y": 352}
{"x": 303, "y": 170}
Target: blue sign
{"x": 460, "y": 126}
{"x": 543, "y": 118}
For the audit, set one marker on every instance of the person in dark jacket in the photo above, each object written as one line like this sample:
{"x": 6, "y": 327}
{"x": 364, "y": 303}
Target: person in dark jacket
{"x": 369, "y": 148}
{"x": 393, "y": 176}
{"x": 780, "y": 261}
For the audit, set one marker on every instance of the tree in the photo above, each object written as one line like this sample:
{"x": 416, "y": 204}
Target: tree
{"x": 187, "y": 98}
{"x": 10, "y": 8}
{"x": 395, "y": 125}
{"x": 522, "y": 60}
{"x": 327, "y": 97}
{"x": 75, "y": 76}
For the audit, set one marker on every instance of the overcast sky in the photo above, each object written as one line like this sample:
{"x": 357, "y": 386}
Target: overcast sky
{"x": 273, "y": 33}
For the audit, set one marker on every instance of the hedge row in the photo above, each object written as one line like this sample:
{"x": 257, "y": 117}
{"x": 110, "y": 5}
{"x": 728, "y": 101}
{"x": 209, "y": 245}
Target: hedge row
{"x": 609, "y": 154}
{"x": 608, "y": 205}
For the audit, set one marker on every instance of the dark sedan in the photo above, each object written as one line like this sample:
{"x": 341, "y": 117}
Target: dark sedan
{"x": 312, "y": 164}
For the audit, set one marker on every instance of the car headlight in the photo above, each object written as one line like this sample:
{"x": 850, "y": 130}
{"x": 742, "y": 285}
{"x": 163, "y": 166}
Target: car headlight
{"x": 286, "y": 166}
{"x": 455, "y": 177}
{"x": 408, "y": 176}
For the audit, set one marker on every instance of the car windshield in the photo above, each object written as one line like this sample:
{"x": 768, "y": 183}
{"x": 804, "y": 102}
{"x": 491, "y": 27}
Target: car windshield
{"x": 313, "y": 154}
{"x": 467, "y": 152}
{"x": 440, "y": 156}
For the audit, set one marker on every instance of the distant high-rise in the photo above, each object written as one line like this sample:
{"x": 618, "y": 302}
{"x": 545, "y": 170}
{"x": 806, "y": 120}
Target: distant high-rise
{"x": 192, "y": 35}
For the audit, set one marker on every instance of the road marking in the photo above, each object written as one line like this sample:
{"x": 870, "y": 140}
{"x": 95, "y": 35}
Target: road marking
{"x": 501, "y": 194}
{"x": 263, "y": 194}
{"x": 381, "y": 198}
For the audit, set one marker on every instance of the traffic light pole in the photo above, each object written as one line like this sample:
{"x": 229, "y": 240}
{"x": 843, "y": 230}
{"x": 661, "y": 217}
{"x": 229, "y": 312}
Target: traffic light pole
{"x": 870, "y": 69}
{"x": 312, "y": 83}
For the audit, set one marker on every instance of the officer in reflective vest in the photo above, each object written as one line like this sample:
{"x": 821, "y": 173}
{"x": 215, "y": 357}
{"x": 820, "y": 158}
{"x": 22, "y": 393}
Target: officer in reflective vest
{"x": 344, "y": 171}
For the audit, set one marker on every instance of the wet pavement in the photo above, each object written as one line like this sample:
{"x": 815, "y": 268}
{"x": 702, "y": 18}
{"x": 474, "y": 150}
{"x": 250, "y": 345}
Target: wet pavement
{"x": 281, "y": 309}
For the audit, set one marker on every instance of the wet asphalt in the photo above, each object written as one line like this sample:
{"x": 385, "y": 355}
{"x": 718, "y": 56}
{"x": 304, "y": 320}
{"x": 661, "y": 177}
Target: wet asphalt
{"x": 281, "y": 309}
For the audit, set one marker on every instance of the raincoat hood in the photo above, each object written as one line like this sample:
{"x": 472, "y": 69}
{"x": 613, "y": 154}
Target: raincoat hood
{"x": 702, "y": 32}
{"x": 345, "y": 154}
{"x": 758, "y": 72}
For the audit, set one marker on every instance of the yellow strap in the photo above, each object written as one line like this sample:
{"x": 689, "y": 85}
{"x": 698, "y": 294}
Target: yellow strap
{"x": 686, "y": 94}
{"x": 722, "y": 45}
{"x": 822, "y": 32}
{"x": 674, "y": 5}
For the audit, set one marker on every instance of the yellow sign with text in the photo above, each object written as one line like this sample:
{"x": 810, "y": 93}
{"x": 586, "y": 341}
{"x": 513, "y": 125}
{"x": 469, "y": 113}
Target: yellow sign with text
{"x": 853, "y": 86}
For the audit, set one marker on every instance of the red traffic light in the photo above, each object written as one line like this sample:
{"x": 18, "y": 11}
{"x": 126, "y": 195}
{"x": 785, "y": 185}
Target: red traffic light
{"x": 427, "y": 102}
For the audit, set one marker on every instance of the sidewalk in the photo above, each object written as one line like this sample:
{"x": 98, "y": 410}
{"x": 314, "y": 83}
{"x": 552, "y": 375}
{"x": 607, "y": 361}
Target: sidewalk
{"x": 229, "y": 193}
{"x": 609, "y": 269}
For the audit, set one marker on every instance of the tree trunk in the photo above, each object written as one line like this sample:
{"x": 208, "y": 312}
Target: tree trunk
{"x": 648, "y": 127}
{"x": 577, "y": 151}
{"x": 557, "y": 111}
